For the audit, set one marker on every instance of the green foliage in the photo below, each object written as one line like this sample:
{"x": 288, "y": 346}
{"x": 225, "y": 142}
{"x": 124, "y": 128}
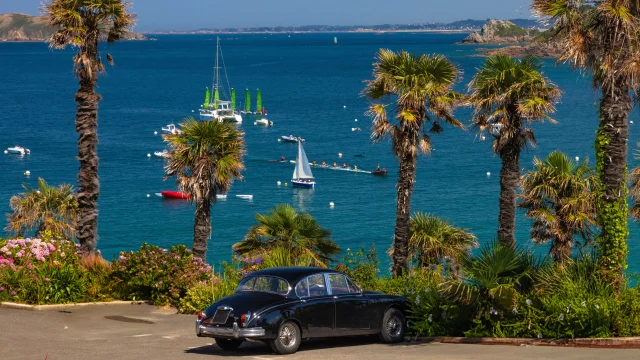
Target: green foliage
{"x": 559, "y": 197}
{"x": 285, "y": 237}
{"x": 433, "y": 239}
{"x": 612, "y": 218}
{"x": 164, "y": 277}
{"x": 362, "y": 267}
{"x": 202, "y": 295}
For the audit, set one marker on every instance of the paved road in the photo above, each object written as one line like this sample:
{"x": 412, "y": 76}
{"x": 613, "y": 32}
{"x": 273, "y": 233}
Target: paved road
{"x": 138, "y": 332}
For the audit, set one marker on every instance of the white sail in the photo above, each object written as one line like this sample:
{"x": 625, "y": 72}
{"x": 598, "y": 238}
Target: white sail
{"x": 302, "y": 170}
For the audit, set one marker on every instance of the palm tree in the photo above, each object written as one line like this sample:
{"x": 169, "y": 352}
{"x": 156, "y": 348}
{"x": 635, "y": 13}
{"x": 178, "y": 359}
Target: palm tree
{"x": 421, "y": 86}
{"x": 433, "y": 239}
{"x": 284, "y": 228}
{"x": 82, "y": 23}
{"x": 557, "y": 195}
{"x": 45, "y": 209}
{"x": 601, "y": 36}
{"x": 205, "y": 158}
{"x": 507, "y": 95}
{"x": 494, "y": 278}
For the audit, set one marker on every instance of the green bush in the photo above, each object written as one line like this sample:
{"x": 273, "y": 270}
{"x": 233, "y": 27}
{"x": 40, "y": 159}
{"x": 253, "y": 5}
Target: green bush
{"x": 158, "y": 275}
{"x": 362, "y": 267}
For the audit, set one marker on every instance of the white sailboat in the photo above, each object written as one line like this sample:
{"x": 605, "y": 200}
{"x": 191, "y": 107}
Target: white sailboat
{"x": 217, "y": 109}
{"x": 302, "y": 175}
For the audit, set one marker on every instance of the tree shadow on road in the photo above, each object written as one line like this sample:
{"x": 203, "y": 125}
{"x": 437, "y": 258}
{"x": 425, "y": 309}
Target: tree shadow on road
{"x": 259, "y": 348}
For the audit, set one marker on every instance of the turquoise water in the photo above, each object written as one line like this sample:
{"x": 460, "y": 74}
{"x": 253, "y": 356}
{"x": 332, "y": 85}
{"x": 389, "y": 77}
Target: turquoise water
{"x": 306, "y": 81}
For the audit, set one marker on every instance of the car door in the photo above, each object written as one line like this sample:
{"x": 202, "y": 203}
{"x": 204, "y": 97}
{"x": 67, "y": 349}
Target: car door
{"x": 352, "y": 309}
{"x": 316, "y": 311}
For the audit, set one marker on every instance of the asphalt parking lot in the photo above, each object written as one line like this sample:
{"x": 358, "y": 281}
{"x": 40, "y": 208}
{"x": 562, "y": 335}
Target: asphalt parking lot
{"x": 139, "y": 332}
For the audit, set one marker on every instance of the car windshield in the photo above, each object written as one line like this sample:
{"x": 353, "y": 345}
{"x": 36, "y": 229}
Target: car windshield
{"x": 264, "y": 284}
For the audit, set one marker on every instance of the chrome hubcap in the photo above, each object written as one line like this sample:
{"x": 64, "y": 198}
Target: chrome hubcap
{"x": 288, "y": 336}
{"x": 394, "y": 326}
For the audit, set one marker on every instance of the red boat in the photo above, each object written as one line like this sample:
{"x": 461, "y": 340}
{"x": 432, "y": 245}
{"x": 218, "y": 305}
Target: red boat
{"x": 379, "y": 172}
{"x": 174, "y": 195}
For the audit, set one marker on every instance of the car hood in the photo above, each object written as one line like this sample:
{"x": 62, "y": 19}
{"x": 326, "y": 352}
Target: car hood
{"x": 249, "y": 301}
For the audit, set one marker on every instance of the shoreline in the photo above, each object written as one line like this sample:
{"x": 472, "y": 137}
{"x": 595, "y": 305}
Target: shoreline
{"x": 304, "y": 32}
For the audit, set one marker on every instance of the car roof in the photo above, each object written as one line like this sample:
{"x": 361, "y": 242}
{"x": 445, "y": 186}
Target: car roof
{"x": 293, "y": 274}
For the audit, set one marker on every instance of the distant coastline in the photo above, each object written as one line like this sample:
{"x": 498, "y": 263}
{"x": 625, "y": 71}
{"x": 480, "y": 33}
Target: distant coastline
{"x": 307, "y": 32}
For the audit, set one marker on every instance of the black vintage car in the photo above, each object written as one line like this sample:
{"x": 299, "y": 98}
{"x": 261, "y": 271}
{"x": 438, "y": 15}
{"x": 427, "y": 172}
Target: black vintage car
{"x": 282, "y": 306}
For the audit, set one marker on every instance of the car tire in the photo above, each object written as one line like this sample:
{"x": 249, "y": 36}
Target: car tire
{"x": 394, "y": 326}
{"x": 288, "y": 340}
{"x": 228, "y": 344}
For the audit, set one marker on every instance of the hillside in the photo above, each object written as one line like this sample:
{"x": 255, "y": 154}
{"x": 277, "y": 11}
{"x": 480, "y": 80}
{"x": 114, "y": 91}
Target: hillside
{"x": 501, "y": 32}
{"x": 21, "y": 27}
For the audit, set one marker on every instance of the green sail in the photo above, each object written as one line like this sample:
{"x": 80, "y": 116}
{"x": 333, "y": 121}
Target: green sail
{"x": 216, "y": 97}
{"x": 207, "y": 98}
{"x": 247, "y": 102}
{"x": 233, "y": 98}
{"x": 259, "y": 101}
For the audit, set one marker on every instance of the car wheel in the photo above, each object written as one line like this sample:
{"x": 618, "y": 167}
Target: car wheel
{"x": 228, "y": 344}
{"x": 394, "y": 326}
{"x": 288, "y": 340}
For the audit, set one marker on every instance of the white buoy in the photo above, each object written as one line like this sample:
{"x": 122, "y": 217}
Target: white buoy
{"x": 345, "y": 106}
{"x": 488, "y": 174}
{"x": 155, "y": 133}
{"x": 148, "y": 155}
{"x": 148, "y": 195}
{"x": 6, "y": 152}
{"x": 331, "y": 204}
{"x": 631, "y": 121}
{"x": 356, "y": 120}
{"x": 279, "y": 140}
{"x": 27, "y": 173}
{"x": 339, "y": 154}
{"x": 577, "y": 158}
{"x": 192, "y": 111}
{"x": 285, "y": 184}
{"x": 483, "y": 138}
{"x": 279, "y": 183}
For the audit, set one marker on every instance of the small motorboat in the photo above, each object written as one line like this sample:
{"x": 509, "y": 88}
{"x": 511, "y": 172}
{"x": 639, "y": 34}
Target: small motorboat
{"x": 355, "y": 129}
{"x": 359, "y": 155}
{"x": 246, "y": 197}
{"x": 17, "y": 150}
{"x": 221, "y": 196}
{"x": 263, "y": 122}
{"x": 171, "y": 129}
{"x": 162, "y": 154}
{"x": 174, "y": 195}
{"x": 291, "y": 139}
{"x": 379, "y": 172}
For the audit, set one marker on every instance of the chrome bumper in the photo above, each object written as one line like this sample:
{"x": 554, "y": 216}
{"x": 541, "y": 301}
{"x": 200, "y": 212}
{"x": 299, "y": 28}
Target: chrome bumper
{"x": 225, "y": 332}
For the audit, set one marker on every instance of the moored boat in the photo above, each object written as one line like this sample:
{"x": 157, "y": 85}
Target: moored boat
{"x": 17, "y": 150}
{"x": 174, "y": 195}
{"x": 263, "y": 122}
{"x": 291, "y": 138}
{"x": 162, "y": 154}
{"x": 171, "y": 129}
{"x": 379, "y": 172}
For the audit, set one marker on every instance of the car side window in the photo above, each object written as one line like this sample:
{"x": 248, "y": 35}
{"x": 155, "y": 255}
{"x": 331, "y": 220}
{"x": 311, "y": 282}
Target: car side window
{"x": 302, "y": 289}
{"x": 317, "y": 286}
{"x": 353, "y": 288}
{"x": 338, "y": 284}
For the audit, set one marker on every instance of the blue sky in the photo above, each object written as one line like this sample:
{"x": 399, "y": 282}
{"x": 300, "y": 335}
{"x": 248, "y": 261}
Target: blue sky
{"x": 195, "y": 14}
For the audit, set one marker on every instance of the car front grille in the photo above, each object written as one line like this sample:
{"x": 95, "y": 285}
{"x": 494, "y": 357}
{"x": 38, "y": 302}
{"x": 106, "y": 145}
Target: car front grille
{"x": 220, "y": 317}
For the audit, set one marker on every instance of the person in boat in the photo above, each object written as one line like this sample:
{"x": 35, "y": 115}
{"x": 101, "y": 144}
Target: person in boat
{"x": 345, "y": 166}
{"x": 355, "y": 167}
{"x": 315, "y": 162}
{"x": 335, "y": 164}
{"x": 378, "y": 168}
{"x": 282, "y": 159}
{"x": 324, "y": 163}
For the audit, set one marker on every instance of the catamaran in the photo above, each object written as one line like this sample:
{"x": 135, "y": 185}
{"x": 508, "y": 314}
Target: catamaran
{"x": 220, "y": 110}
{"x": 302, "y": 176}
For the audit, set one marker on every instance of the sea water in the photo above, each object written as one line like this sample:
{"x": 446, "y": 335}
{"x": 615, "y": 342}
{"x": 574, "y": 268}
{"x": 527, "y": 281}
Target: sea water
{"x": 311, "y": 88}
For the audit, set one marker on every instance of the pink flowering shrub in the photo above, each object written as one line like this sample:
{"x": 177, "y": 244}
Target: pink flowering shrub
{"x": 155, "y": 274}
{"x": 40, "y": 271}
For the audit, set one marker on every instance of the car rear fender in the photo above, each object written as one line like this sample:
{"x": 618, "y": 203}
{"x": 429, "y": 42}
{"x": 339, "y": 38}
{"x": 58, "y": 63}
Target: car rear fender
{"x": 271, "y": 320}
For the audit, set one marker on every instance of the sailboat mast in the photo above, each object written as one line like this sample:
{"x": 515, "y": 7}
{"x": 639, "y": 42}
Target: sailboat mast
{"x": 217, "y": 76}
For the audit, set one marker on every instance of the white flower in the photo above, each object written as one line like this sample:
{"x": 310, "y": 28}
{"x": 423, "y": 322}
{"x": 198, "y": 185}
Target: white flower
{"x": 493, "y": 311}
{"x": 430, "y": 318}
{"x": 418, "y": 299}
{"x": 515, "y": 310}
{"x": 583, "y": 304}
{"x": 539, "y": 335}
{"x": 568, "y": 308}
{"x": 561, "y": 317}
{"x": 529, "y": 302}
{"x": 597, "y": 306}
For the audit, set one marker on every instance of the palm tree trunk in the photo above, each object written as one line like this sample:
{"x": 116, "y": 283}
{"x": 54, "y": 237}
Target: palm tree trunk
{"x": 87, "y": 128}
{"x": 406, "y": 177}
{"x": 509, "y": 179}
{"x": 201, "y": 228}
{"x": 611, "y": 165}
